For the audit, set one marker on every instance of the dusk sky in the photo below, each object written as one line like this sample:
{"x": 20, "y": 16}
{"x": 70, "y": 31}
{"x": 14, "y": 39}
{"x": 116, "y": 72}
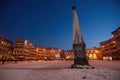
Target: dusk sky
{"x": 49, "y": 22}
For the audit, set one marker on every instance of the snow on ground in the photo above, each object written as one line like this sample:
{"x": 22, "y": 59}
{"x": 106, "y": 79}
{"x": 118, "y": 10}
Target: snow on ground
{"x": 59, "y": 70}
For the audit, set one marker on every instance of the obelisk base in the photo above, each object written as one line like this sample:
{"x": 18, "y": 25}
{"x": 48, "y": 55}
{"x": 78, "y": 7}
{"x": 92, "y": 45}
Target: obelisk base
{"x": 80, "y": 60}
{"x": 81, "y": 67}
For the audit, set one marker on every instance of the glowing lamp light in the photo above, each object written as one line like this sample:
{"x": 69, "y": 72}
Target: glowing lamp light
{"x": 94, "y": 56}
{"x": 102, "y": 46}
{"x": 0, "y": 55}
{"x": 57, "y": 55}
{"x": 59, "y": 50}
{"x": 2, "y": 42}
{"x": 67, "y": 57}
{"x": 87, "y": 51}
{"x": 44, "y": 50}
{"x": 51, "y": 50}
{"x": 114, "y": 42}
{"x": 25, "y": 42}
{"x": 96, "y": 51}
{"x": 90, "y": 55}
{"x": 37, "y": 49}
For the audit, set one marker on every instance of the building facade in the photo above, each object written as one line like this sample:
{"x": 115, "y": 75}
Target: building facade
{"x": 41, "y": 52}
{"x": 111, "y": 47}
{"x": 22, "y": 49}
{"x": 56, "y": 53}
{"x": 91, "y": 54}
{"x": 94, "y": 54}
{"x": 48, "y": 53}
{"x": 33, "y": 54}
{"x": 62, "y": 55}
{"x": 69, "y": 55}
{"x": 5, "y": 48}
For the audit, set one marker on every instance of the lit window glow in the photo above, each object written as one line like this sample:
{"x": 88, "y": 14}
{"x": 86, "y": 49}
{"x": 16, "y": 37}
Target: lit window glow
{"x": 25, "y": 42}
{"x": 102, "y": 46}
{"x": 114, "y": 42}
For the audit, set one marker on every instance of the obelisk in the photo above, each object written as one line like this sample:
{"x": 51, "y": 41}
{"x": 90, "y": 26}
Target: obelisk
{"x": 78, "y": 43}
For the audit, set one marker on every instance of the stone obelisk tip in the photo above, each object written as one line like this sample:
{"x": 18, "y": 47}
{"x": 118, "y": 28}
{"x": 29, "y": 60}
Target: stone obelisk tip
{"x": 73, "y": 7}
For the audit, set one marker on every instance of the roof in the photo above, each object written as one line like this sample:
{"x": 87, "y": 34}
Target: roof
{"x": 116, "y": 30}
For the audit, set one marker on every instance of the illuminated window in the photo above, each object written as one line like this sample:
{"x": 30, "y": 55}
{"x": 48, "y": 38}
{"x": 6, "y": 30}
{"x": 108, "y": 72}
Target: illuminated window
{"x": 110, "y": 58}
{"x": 102, "y": 46}
{"x": 96, "y": 51}
{"x": 37, "y": 49}
{"x": 2, "y": 42}
{"x": 25, "y": 42}
{"x": 114, "y": 42}
{"x": 43, "y": 49}
{"x": 59, "y": 50}
{"x": 94, "y": 56}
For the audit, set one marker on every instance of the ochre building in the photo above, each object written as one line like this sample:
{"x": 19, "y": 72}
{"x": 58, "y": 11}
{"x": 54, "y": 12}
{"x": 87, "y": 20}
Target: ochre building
{"x": 94, "y": 54}
{"x": 22, "y": 49}
{"x": 5, "y": 48}
{"x": 111, "y": 47}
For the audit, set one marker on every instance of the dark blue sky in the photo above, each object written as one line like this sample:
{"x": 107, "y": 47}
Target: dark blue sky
{"x": 49, "y": 22}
